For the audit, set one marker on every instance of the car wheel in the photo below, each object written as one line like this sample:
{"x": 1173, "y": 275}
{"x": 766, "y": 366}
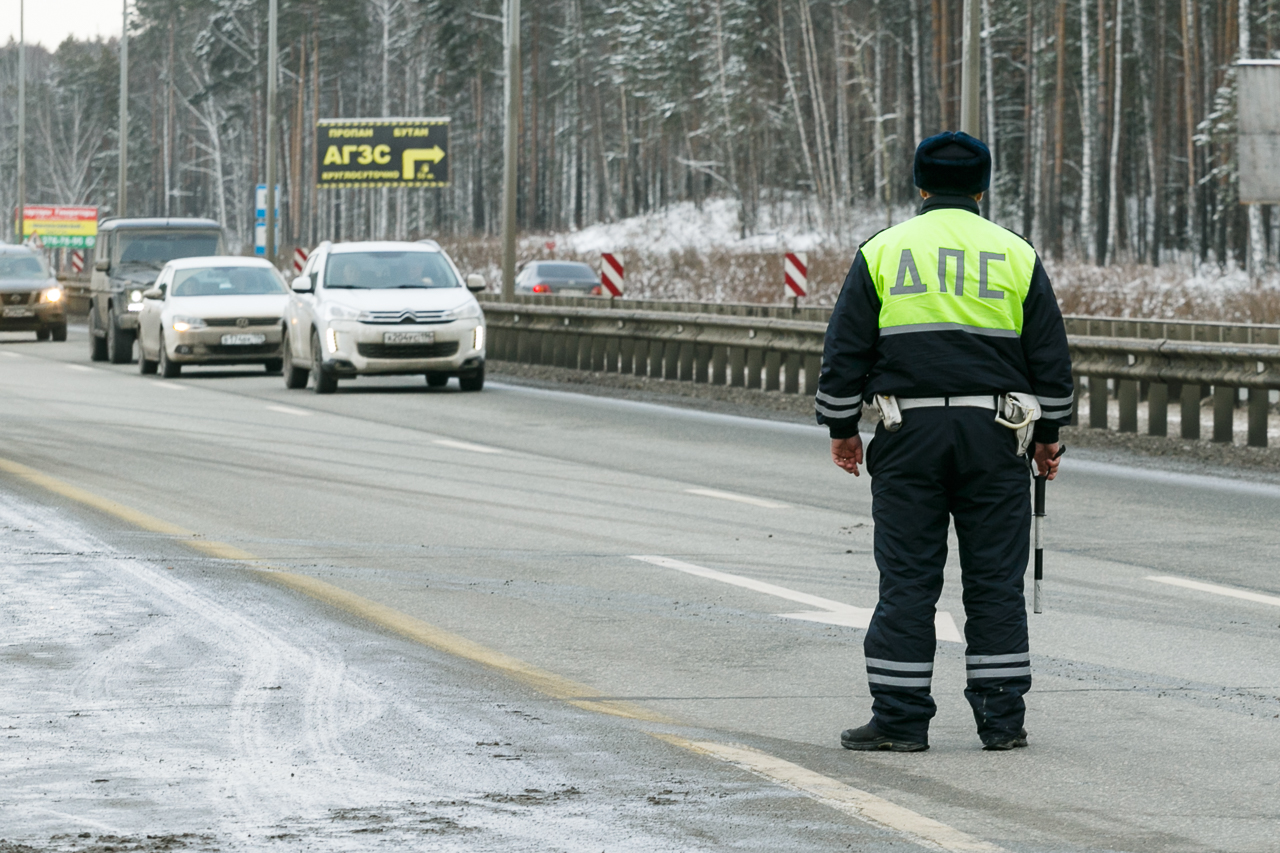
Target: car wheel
{"x": 275, "y": 365}
{"x": 437, "y": 380}
{"x": 42, "y": 334}
{"x": 119, "y": 341}
{"x": 97, "y": 343}
{"x": 472, "y": 381}
{"x": 145, "y": 365}
{"x": 325, "y": 382}
{"x": 59, "y": 332}
{"x": 294, "y": 376}
{"x": 168, "y": 369}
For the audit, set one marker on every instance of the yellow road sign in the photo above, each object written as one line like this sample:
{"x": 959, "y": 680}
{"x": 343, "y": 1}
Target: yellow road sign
{"x": 382, "y": 152}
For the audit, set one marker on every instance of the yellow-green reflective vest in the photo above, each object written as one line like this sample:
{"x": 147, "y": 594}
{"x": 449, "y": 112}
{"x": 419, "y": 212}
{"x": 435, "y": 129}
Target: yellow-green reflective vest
{"x": 950, "y": 269}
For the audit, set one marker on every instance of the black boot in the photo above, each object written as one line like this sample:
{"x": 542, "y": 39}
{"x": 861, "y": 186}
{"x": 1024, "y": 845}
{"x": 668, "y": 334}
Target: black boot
{"x": 868, "y": 737}
{"x": 1005, "y": 740}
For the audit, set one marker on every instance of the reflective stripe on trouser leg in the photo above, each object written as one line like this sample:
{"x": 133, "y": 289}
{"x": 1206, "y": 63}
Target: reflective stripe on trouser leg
{"x": 909, "y": 507}
{"x": 991, "y": 505}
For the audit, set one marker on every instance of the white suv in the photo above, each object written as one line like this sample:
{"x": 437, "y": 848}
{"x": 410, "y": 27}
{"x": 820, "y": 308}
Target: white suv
{"x": 383, "y": 308}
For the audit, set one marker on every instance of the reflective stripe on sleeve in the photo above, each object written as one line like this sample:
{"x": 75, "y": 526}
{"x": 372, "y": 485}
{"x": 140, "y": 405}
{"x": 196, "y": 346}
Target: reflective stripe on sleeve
{"x": 832, "y": 413}
{"x": 1056, "y": 413}
{"x": 1056, "y": 401}
{"x": 894, "y": 681}
{"x": 839, "y": 401}
{"x": 1005, "y": 672}
{"x": 1018, "y": 657}
{"x": 900, "y": 666}
{"x": 947, "y": 327}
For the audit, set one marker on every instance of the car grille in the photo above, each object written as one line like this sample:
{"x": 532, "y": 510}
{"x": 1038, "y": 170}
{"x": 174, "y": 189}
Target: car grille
{"x": 407, "y": 317}
{"x": 444, "y": 349}
{"x": 250, "y": 349}
{"x": 249, "y": 321}
{"x": 16, "y": 298}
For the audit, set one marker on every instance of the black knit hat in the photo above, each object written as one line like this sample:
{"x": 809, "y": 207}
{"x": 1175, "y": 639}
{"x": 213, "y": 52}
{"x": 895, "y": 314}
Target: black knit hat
{"x": 953, "y": 163}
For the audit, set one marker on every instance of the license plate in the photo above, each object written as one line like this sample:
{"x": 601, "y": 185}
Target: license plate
{"x": 243, "y": 340}
{"x": 18, "y": 311}
{"x": 409, "y": 337}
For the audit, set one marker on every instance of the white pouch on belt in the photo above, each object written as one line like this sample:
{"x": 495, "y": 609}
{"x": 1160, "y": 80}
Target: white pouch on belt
{"x": 1019, "y": 412}
{"x": 890, "y": 414}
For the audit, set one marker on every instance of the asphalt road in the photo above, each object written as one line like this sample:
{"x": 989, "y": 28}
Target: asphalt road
{"x": 509, "y": 522}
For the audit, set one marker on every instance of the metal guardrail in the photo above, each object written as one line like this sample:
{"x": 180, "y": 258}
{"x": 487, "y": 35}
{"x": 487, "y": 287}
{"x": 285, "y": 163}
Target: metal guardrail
{"x": 775, "y": 350}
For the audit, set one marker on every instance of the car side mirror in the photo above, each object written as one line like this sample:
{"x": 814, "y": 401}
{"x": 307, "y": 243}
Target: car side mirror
{"x": 475, "y": 282}
{"x": 153, "y": 293}
{"x": 304, "y": 284}
{"x": 102, "y": 266}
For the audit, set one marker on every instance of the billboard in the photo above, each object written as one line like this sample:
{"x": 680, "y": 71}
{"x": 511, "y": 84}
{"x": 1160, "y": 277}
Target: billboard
{"x": 382, "y": 152}
{"x": 1258, "y": 99}
{"x": 60, "y": 226}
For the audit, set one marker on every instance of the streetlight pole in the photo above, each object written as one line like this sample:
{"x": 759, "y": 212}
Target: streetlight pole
{"x": 970, "y": 74}
{"x": 122, "y": 191}
{"x": 269, "y": 241}
{"x": 22, "y": 120}
{"x": 511, "y": 97}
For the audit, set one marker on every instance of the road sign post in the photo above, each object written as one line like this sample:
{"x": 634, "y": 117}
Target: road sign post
{"x": 382, "y": 152}
{"x": 611, "y": 273}
{"x": 59, "y": 226}
{"x": 1258, "y": 85}
{"x": 795, "y": 274}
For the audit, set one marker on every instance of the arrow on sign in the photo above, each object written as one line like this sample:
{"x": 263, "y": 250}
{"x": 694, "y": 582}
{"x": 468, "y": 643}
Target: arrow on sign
{"x": 413, "y": 156}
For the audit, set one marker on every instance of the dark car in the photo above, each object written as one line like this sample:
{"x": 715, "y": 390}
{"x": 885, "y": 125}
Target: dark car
{"x": 565, "y": 278}
{"x": 129, "y": 255}
{"x": 30, "y": 298}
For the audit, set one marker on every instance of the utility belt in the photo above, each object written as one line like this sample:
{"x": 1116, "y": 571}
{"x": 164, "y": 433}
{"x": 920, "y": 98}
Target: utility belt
{"x": 1014, "y": 410}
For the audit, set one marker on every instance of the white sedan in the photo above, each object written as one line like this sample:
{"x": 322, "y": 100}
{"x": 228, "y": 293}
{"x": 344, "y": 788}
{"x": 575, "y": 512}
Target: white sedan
{"x": 214, "y": 310}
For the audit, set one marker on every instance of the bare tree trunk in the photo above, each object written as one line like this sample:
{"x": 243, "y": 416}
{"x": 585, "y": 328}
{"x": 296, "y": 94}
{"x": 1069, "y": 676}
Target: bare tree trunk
{"x": 1059, "y": 130}
{"x": 1028, "y": 125}
{"x": 1113, "y": 186}
{"x": 1148, "y": 129}
{"x": 842, "y": 105}
{"x": 1189, "y": 79}
{"x": 728, "y": 136}
{"x": 992, "y": 136}
{"x": 1257, "y": 239}
{"x": 795, "y": 100}
{"x": 1085, "y": 235}
{"x": 917, "y": 85}
{"x": 822, "y": 128}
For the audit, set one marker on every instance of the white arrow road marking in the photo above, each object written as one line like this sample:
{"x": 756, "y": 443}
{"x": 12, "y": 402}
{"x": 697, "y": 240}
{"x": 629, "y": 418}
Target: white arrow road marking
{"x": 742, "y": 499}
{"x": 833, "y": 612}
{"x": 918, "y": 829}
{"x": 290, "y": 410}
{"x": 82, "y": 368}
{"x": 465, "y": 445}
{"x": 1218, "y": 590}
{"x": 171, "y": 386}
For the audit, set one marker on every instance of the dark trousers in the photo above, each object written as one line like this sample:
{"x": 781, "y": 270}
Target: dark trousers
{"x": 949, "y": 463}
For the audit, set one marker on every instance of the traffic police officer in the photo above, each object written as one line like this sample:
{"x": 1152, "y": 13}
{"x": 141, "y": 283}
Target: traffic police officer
{"x": 942, "y": 320}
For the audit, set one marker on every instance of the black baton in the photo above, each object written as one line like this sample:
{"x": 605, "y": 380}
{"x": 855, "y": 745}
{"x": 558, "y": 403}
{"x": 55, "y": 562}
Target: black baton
{"x": 1038, "y": 514}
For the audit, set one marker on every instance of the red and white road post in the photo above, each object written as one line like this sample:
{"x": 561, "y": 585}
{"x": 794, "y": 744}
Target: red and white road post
{"x": 611, "y": 273}
{"x": 300, "y": 256}
{"x": 795, "y": 273}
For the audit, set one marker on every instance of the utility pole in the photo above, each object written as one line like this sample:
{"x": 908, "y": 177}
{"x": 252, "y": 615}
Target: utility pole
{"x": 122, "y": 192}
{"x": 269, "y": 240}
{"x": 511, "y": 98}
{"x": 971, "y": 74}
{"x": 22, "y": 121}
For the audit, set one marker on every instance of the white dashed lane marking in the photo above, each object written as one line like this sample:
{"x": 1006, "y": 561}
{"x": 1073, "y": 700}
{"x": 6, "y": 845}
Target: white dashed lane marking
{"x": 1230, "y": 592}
{"x": 465, "y": 445}
{"x": 830, "y": 612}
{"x": 731, "y": 496}
{"x": 290, "y": 410}
{"x": 82, "y": 368}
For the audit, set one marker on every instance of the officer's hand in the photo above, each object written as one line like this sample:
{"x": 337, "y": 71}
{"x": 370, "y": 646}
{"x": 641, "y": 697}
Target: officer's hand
{"x": 1046, "y": 464}
{"x": 847, "y": 453}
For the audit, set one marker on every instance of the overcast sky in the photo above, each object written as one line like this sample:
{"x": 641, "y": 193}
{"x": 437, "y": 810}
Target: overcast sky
{"x": 50, "y": 21}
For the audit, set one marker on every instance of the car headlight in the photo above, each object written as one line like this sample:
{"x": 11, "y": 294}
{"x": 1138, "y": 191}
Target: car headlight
{"x": 477, "y": 341}
{"x": 186, "y": 324}
{"x": 135, "y": 296}
{"x": 53, "y": 294}
{"x": 466, "y": 312}
{"x": 333, "y": 311}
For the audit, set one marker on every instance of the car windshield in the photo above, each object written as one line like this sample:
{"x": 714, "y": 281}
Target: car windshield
{"x": 566, "y": 272}
{"x": 22, "y": 266}
{"x": 226, "y": 281}
{"x": 156, "y": 248}
{"x": 388, "y": 270}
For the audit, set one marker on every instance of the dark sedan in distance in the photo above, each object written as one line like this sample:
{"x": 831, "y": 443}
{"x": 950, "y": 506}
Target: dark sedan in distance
{"x": 560, "y": 278}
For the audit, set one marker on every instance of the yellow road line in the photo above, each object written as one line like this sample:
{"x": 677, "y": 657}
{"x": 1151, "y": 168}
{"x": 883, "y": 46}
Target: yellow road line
{"x": 579, "y": 695}
{"x": 922, "y": 830}
{"x": 862, "y": 805}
